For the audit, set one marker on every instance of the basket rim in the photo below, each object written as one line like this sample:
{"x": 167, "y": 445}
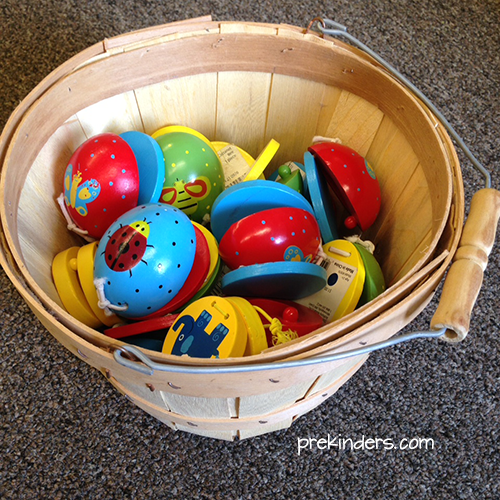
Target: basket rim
{"x": 221, "y": 384}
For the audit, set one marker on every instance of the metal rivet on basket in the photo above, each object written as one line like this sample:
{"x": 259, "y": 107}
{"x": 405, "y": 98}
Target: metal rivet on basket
{"x": 81, "y": 354}
{"x": 107, "y": 373}
{"x": 173, "y": 386}
{"x": 273, "y": 381}
{"x": 191, "y": 424}
{"x": 262, "y": 421}
{"x": 324, "y": 395}
{"x": 151, "y": 387}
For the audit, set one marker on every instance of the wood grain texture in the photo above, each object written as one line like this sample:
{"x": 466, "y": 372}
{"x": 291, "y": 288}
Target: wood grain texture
{"x": 189, "y": 101}
{"x": 238, "y": 428}
{"x": 242, "y": 109}
{"x": 116, "y": 114}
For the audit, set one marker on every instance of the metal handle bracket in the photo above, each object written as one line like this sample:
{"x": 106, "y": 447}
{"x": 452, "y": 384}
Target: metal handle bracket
{"x": 332, "y": 28}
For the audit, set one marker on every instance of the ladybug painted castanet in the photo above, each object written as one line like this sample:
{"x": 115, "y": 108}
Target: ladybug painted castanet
{"x": 127, "y": 245}
{"x": 144, "y": 259}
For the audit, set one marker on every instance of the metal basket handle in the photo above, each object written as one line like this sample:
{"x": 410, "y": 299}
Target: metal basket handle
{"x": 465, "y": 276}
{"x": 144, "y": 364}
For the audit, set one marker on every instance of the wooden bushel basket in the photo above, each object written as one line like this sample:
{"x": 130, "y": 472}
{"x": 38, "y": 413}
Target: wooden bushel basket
{"x": 246, "y": 83}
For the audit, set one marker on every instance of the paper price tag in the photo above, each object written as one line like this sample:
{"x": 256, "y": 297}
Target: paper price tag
{"x": 330, "y": 302}
{"x": 234, "y": 164}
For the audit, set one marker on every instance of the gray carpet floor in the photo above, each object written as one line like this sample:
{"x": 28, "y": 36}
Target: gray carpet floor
{"x": 65, "y": 433}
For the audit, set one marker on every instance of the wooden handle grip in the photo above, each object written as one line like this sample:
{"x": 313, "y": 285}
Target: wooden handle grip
{"x": 465, "y": 276}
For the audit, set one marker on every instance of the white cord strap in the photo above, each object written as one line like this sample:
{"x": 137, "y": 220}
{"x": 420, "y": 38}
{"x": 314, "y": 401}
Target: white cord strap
{"x": 320, "y": 138}
{"x": 71, "y": 225}
{"x": 367, "y": 244}
{"x": 103, "y": 302}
